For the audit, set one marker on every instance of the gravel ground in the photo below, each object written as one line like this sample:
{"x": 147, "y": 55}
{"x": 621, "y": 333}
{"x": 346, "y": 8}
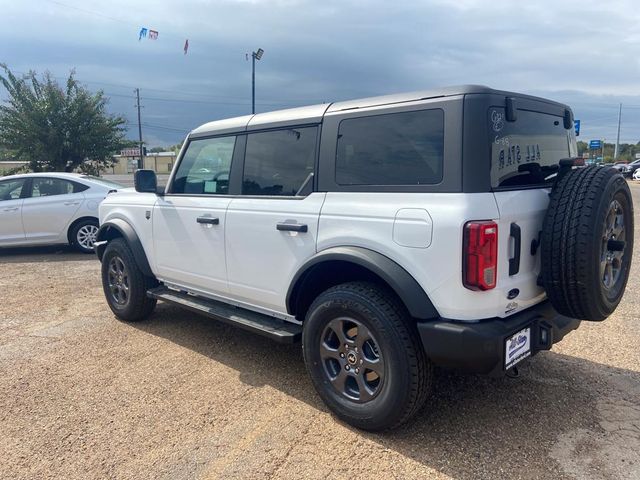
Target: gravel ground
{"x": 180, "y": 397}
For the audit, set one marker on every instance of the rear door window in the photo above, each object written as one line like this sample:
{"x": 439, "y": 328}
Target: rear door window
{"x": 46, "y": 187}
{"x": 526, "y": 152}
{"x": 405, "y": 148}
{"x": 279, "y": 162}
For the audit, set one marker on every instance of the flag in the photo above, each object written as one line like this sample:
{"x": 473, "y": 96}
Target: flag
{"x": 143, "y": 34}
{"x": 186, "y": 46}
{"x": 153, "y": 34}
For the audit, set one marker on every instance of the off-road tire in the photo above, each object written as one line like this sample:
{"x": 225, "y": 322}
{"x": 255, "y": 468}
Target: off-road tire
{"x": 80, "y": 228}
{"x": 407, "y": 376}
{"x": 575, "y": 242}
{"x": 137, "y": 305}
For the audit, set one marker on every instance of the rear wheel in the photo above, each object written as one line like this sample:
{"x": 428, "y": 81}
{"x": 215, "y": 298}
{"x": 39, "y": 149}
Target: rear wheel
{"x": 364, "y": 356}
{"x": 125, "y": 286}
{"x": 84, "y": 234}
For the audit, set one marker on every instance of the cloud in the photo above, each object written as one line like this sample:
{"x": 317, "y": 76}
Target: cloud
{"x": 580, "y": 52}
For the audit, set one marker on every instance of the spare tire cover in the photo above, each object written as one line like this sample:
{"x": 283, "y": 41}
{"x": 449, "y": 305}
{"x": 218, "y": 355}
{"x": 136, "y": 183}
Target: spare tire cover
{"x": 587, "y": 243}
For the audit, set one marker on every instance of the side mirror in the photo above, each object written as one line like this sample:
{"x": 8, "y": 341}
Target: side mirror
{"x": 145, "y": 181}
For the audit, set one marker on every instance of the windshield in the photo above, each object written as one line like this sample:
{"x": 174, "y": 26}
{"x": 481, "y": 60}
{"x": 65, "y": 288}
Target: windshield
{"x": 526, "y": 152}
{"x": 106, "y": 183}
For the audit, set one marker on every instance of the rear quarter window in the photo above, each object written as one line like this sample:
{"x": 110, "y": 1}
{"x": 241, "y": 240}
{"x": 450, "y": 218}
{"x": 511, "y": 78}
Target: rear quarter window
{"x": 404, "y": 148}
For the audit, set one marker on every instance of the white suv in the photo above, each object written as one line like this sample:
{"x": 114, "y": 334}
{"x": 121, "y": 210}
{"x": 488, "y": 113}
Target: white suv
{"x": 389, "y": 234}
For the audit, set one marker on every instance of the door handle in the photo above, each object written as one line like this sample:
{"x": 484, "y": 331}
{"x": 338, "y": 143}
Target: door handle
{"x": 292, "y": 227}
{"x": 71, "y": 203}
{"x": 208, "y": 220}
{"x": 10, "y": 209}
{"x": 514, "y": 263}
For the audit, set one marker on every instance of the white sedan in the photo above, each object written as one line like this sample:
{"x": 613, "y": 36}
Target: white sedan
{"x": 51, "y": 208}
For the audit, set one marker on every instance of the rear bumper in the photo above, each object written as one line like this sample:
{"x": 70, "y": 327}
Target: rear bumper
{"x": 479, "y": 347}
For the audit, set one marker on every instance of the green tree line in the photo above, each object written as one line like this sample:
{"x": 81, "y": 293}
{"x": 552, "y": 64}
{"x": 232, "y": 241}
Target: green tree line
{"x": 57, "y": 127}
{"x": 626, "y": 151}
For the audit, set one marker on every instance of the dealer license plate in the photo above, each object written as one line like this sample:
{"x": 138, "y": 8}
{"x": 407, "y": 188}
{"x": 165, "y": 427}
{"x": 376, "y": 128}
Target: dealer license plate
{"x": 517, "y": 348}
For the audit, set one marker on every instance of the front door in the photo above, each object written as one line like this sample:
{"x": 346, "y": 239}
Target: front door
{"x": 272, "y": 228}
{"x": 189, "y": 220}
{"x": 11, "y": 193}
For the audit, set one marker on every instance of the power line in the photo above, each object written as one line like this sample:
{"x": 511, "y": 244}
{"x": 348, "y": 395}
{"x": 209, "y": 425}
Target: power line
{"x": 90, "y": 12}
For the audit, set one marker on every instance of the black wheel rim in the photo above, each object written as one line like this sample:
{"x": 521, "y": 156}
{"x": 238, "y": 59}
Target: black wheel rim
{"x": 118, "y": 281}
{"x": 613, "y": 247}
{"x": 352, "y": 359}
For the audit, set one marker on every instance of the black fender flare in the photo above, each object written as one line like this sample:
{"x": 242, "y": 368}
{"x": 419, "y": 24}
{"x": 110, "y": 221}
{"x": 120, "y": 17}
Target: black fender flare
{"x": 401, "y": 282}
{"x": 126, "y": 231}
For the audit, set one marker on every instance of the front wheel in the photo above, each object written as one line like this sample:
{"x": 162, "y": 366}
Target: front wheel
{"x": 364, "y": 356}
{"x": 125, "y": 286}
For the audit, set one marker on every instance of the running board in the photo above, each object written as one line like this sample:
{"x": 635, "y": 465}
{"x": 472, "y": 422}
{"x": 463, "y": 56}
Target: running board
{"x": 273, "y": 328}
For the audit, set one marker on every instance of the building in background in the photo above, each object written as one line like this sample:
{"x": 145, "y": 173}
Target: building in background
{"x": 160, "y": 162}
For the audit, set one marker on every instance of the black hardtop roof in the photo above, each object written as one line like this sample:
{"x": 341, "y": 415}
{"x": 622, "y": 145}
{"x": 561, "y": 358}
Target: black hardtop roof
{"x": 451, "y": 91}
{"x": 314, "y": 113}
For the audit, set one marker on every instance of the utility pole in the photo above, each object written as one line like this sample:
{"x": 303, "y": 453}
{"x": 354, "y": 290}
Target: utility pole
{"x": 615, "y": 153}
{"x": 141, "y": 160}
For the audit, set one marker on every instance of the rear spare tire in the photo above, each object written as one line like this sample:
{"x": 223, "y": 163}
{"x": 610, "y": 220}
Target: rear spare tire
{"x": 587, "y": 243}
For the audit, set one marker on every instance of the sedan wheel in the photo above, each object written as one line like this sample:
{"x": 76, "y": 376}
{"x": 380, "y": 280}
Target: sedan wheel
{"x": 84, "y": 234}
{"x": 87, "y": 236}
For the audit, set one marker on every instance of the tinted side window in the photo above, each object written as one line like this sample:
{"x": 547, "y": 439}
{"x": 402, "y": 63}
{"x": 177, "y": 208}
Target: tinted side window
{"x": 404, "y": 148}
{"x": 205, "y": 167}
{"x": 11, "y": 189}
{"x": 46, "y": 187}
{"x": 279, "y": 162}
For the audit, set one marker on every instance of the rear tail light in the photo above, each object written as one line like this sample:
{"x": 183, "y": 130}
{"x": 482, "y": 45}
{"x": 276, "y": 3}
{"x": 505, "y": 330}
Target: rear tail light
{"x": 480, "y": 255}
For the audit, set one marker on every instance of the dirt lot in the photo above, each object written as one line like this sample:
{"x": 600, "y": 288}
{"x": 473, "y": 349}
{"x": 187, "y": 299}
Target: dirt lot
{"x": 179, "y": 397}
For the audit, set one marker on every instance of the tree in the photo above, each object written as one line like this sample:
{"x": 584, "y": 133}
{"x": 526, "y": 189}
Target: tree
{"x": 55, "y": 128}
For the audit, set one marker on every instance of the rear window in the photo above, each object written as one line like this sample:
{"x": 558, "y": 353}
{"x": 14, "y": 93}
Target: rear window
{"x": 393, "y": 149}
{"x": 526, "y": 152}
{"x": 102, "y": 181}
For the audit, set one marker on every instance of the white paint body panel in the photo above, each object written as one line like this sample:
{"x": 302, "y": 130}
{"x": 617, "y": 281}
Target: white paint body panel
{"x": 246, "y": 261}
{"x": 187, "y": 252}
{"x": 46, "y": 219}
{"x": 262, "y": 260}
{"x": 11, "y": 229}
{"x": 132, "y": 207}
{"x": 367, "y": 219}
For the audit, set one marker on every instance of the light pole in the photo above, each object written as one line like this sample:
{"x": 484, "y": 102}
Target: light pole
{"x": 254, "y": 56}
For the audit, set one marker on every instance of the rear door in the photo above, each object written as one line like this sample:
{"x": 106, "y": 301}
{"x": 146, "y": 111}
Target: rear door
{"x": 272, "y": 228}
{"x": 524, "y": 161}
{"x": 189, "y": 220}
{"x": 12, "y": 192}
{"x": 49, "y": 209}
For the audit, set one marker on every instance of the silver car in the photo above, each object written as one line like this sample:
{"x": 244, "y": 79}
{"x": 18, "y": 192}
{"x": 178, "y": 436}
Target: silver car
{"x": 51, "y": 208}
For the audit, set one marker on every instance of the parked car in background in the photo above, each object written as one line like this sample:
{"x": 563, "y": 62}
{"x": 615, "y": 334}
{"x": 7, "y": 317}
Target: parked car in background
{"x": 630, "y": 168}
{"x": 620, "y": 166}
{"x": 636, "y": 175}
{"x": 51, "y": 208}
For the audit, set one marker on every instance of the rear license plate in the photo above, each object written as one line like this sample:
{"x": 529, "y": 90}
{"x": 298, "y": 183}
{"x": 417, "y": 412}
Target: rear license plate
{"x": 517, "y": 348}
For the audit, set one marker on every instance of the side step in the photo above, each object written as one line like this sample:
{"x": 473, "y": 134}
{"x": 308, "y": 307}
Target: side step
{"x": 278, "y": 330}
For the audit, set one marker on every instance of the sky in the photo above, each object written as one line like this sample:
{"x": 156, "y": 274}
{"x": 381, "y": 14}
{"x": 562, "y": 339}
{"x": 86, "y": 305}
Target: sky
{"x": 583, "y": 53}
